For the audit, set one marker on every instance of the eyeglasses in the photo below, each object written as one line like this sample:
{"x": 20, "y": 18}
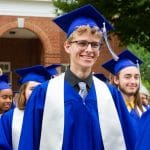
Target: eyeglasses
{"x": 84, "y": 44}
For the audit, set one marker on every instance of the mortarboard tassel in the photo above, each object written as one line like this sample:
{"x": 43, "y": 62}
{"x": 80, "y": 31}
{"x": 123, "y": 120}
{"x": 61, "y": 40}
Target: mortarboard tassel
{"x": 115, "y": 57}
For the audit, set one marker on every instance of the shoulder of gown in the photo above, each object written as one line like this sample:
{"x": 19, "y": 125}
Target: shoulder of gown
{"x": 128, "y": 124}
{"x": 33, "y": 115}
{"x": 144, "y": 132}
{"x": 6, "y": 130}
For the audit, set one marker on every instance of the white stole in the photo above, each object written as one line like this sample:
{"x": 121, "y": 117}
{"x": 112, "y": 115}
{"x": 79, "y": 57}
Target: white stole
{"x": 16, "y": 127}
{"x": 111, "y": 129}
{"x": 53, "y": 117}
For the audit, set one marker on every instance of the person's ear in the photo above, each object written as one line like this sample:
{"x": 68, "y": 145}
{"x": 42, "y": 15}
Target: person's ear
{"x": 116, "y": 80}
{"x": 67, "y": 46}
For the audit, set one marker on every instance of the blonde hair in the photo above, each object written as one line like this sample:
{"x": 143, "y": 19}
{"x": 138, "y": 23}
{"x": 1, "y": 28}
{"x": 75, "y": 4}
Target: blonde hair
{"x": 21, "y": 97}
{"x": 1, "y": 71}
{"x": 85, "y": 28}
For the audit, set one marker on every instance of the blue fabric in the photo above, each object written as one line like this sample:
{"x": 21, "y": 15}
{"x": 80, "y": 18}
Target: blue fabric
{"x": 4, "y": 85}
{"x": 4, "y": 82}
{"x": 80, "y": 22}
{"x": 123, "y": 64}
{"x": 86, "y": 15}
{"x": 52, "y": 69}
{"x": 134, "y": 114}
{"x": 6, "y": 130}
{"x": 102, "y": 77}
{"x": 128, "y": 124}
{"x": 35, "y": 73}
{"x": 82, "y": 129}
{"x": 146, "y": 107}
{"x": 143, "y": 142}
{"x": 126, "y": 59}
{"x": 135, "y": 119}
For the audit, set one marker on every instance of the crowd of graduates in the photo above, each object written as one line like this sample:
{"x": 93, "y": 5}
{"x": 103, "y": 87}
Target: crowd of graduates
{"x": 12, "y": 104}
{"x": 49, "y": 114}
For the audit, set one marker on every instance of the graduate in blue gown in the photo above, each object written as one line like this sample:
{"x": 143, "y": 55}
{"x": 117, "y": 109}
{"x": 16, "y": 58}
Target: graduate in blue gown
{"x": 11, "y": 121}
{"x": 127, "y": 78}
{"x": 6, "y": 94}
{"x": 57, "y": 117}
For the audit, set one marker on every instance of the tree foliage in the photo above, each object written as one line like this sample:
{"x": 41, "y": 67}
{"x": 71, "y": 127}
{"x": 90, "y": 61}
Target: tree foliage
{"x": 130, "y": 18}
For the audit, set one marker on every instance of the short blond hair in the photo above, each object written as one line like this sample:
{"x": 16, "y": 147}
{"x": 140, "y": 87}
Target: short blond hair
{"x": 86, "y": 28}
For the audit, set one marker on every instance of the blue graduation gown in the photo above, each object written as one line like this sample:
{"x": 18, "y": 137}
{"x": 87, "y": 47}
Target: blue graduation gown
{"x": 81, "y": 128}
{"x": 143, "y": 142}
{"x": 6, "y": 130}
{"x": 136, "y": 119}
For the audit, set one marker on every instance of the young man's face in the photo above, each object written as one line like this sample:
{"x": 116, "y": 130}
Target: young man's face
{"x": 128, "y": 80}
{"x": 82, "y": 56}
{"x": 5, "y": 100}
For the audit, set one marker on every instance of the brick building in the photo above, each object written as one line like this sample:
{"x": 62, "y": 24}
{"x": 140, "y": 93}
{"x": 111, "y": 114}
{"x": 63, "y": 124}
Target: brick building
{"x": 29, "y": 37}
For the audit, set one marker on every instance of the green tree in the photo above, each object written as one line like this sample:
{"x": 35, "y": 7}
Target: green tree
{"x": 129, "y": 17}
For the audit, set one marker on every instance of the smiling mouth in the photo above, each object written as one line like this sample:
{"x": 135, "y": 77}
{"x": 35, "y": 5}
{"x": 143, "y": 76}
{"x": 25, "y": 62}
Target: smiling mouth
{"x": 132, "y": 88}
{"x": 86, "y": 57}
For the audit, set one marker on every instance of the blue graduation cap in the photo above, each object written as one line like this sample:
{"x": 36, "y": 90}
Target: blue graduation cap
{"x": 101, "y": 76}
{"x": 36, "y": 73}
{"x": 126, "y": 59}
{"x": 52, "y": 69}
{"x": 4, "y": 82}
{"x": 86, "y": 15}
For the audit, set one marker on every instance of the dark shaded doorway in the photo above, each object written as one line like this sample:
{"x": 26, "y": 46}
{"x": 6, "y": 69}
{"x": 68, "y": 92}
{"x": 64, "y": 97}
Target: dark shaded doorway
{"x": 21, "y": 48}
